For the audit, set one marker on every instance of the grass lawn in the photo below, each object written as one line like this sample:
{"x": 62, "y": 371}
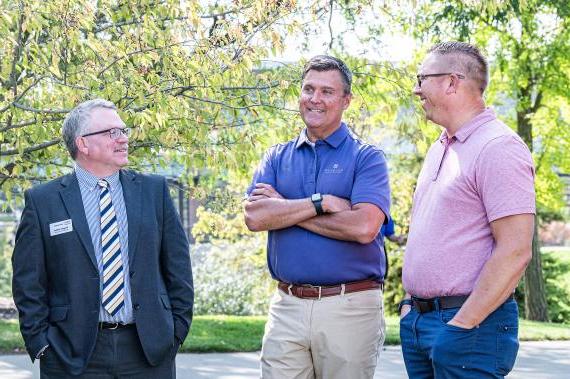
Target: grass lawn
{"x": 556, "y": 249}
{"x": 244, "y": 333}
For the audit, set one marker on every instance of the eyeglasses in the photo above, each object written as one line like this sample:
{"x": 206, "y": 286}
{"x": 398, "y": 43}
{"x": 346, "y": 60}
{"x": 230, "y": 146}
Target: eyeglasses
{"x": 114, "y": 133}
{"x": 422, "y": 77}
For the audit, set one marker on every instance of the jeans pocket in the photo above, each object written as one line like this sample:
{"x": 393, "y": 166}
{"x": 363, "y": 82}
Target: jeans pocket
{"x": 447, "y": 314}
{"x": 507, "y": 348}
{"x": 406, "y": 328}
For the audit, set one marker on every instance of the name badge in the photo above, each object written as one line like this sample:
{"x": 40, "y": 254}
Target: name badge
{"x": 60, "y": 227}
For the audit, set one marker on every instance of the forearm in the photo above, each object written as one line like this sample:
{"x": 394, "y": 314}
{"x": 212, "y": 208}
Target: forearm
{"x": 496, "y": 283}
{"x": 276, "y": 213}
{"x": 350, "y": 225}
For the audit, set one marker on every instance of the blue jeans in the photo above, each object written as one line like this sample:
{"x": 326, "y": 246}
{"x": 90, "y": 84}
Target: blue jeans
{"x": 434, "y": 349}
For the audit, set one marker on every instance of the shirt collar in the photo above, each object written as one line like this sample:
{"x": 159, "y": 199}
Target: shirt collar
{"x": 471, "y": 126}
{"x": 89, "y": 181}
{"x": 334, "y": 140}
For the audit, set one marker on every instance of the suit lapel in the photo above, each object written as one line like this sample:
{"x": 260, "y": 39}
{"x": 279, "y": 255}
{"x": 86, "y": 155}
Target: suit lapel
{"x": 71, "y": 197}
{"x": 132, "y": 188}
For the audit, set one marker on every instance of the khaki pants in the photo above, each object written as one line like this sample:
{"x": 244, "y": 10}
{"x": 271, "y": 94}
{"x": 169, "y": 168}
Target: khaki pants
{"x": 334, "y": 337}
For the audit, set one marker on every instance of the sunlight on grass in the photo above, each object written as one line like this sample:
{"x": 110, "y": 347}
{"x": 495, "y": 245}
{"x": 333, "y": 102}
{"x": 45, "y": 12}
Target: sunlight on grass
{"x": 244, "y": 333}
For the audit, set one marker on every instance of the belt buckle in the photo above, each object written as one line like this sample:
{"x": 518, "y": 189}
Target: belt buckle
{"x": 114, "y": 327}
{"x": 320, "y": 288}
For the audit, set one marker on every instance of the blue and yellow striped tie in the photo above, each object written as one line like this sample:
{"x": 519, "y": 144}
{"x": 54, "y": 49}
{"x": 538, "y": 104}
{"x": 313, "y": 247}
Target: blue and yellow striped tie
{"x": 113, "y": 286}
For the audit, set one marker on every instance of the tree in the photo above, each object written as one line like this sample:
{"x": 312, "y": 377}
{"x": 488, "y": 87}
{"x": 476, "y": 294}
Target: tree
{"x": 529, "y": 45}
{"x": 182, "y": 73}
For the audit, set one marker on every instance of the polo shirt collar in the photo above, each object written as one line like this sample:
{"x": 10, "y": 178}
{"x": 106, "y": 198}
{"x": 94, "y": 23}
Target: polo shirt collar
{"x": 89, "y": 181}
{"x": 471, "y": 126}
{"x": 334, "y": 140}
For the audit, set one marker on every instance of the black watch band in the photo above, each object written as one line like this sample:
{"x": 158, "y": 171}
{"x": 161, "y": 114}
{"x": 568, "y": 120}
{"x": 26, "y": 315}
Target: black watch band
{"x": 317, "y": 200}
{"x": 404, "y": 302}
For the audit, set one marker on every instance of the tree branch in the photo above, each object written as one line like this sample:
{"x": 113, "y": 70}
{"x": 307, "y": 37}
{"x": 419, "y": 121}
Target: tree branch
{"x": 180, "y": 18}
{"x": 21, "y": 95}
{"x": 237, "y": 108}
{"x": 17, "y": 51}
{"x": 330, "y": 24}
{"x": 27, "y": 123}
{"x": 41, "y": 146}
{"x": 34, "y": 110}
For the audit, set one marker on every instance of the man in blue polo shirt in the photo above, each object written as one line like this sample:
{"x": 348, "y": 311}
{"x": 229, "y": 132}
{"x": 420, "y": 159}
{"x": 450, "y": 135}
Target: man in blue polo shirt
{"x": 323, "y": 197}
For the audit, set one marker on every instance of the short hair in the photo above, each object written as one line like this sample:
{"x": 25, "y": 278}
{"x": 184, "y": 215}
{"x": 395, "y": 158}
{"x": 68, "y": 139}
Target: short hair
{"x": 470, "y": 60}
{"x": 327, "y": 63}
{"x": 78, "y": 120}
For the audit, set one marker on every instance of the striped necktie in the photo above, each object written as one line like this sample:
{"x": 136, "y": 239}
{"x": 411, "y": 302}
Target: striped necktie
{"x": 113, "y": 286}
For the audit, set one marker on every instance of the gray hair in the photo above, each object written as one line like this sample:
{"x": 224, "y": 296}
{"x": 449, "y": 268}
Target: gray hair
{"x": 78, "y": 120}
{"x": 327, "y": 63}
{"x": 470, "y": 60}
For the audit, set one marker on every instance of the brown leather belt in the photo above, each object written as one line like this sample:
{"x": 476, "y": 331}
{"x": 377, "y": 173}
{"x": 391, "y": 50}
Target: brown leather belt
{"x": 316, "y": 292}
{"x": 442, "y": 302}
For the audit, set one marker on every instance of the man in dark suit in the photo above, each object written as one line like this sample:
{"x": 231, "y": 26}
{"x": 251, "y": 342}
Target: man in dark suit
{"x": 102, "y": 274}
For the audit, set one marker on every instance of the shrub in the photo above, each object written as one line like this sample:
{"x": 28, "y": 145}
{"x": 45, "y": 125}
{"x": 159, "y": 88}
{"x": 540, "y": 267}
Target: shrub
{"x": 231, "y": 278}
{"x": 393, "y": 288}
{"x": 6, "y": 247}
{"x": 556, "y": 271}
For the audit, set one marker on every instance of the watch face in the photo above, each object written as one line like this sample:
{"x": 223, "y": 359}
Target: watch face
{"x": 316, "y": 197}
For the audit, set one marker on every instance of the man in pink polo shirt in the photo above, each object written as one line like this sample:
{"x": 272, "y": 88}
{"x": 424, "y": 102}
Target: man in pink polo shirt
{"x": 471, "y": 231}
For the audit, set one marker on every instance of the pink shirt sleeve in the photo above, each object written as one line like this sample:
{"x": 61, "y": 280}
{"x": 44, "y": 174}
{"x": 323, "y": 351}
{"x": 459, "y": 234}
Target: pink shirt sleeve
{"x": 505, "y": 178}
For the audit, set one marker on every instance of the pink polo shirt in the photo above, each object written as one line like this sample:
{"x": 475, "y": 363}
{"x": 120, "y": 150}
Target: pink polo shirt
{"x": 483, "y": 173}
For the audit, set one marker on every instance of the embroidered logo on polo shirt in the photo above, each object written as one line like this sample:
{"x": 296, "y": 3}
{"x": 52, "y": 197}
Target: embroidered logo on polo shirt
{"x": 335, "y": 169}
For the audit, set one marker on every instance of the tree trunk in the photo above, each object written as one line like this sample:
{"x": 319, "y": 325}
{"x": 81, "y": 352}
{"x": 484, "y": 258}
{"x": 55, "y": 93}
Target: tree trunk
{"x": 534, "y": 293}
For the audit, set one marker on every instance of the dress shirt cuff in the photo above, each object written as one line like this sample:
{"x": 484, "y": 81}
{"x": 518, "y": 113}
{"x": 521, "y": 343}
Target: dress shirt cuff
{"x": 41, "y": 352}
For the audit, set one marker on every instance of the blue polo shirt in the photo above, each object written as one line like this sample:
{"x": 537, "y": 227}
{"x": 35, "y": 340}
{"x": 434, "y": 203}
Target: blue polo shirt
{"x": 340, "y": 165}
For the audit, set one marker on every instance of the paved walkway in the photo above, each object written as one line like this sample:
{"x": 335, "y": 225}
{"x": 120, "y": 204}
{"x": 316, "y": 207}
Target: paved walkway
{"x": 544, "y": 360}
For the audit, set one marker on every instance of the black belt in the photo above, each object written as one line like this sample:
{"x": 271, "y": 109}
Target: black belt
{"x": 114, "y": 325}
{"x": 442, "y": 302}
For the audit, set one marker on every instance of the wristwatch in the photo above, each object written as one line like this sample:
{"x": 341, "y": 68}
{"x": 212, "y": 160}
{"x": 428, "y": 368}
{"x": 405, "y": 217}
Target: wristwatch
{"x": 402, "y": 303}
{"x": 317, "y": 200}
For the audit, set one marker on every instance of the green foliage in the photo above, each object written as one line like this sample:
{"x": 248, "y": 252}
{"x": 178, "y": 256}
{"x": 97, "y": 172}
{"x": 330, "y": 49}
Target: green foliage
{"x": 528, "y": 45}
{"x": 6, "y": 233}
{"x": 231, "y": 278}
{"x": 556, "y": 270}
{"x": 182, "y": 73}
{"x": 557, "y": 276}
{"x": 11, "y": 340}
{"x": 393, "y": 289}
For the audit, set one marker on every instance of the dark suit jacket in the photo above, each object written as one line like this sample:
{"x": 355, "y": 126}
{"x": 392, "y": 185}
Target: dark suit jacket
{"x": 56, "y": 281}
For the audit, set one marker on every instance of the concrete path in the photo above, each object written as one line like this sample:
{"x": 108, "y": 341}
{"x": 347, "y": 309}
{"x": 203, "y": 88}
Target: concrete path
{"x": 544, "y": 360}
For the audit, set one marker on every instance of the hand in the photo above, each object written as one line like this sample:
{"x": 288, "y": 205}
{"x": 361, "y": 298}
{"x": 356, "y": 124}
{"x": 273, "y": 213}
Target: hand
{"x": 334, "y": 204}
{"x": 460, "y": 324}
{"x": 264, "y": 191}
{"x": 399, "y": 239}
{"x": 405, "y": 310}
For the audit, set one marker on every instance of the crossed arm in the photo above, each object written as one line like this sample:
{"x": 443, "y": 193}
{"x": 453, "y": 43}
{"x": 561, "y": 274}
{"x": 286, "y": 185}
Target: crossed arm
{"x": 266, "y": 209}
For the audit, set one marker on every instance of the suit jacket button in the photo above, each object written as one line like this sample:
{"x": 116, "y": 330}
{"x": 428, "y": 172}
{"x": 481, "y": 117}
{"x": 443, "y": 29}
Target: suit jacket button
{"x": 136, "y": 307}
